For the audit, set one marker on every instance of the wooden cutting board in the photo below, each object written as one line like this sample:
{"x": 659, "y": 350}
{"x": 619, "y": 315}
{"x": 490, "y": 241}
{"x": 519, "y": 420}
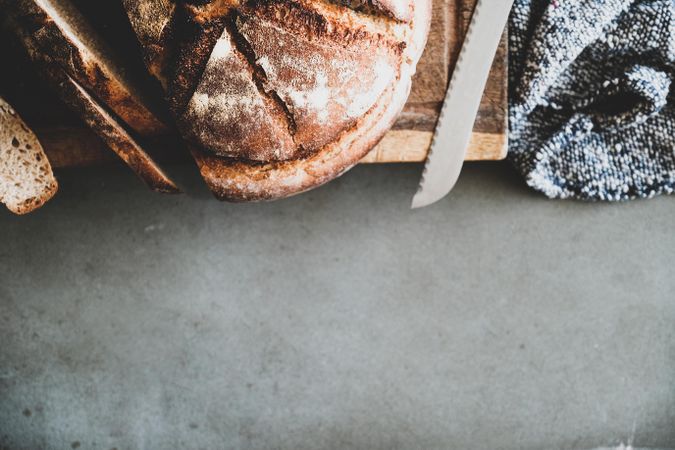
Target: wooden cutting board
{"x": 410, "y": 139}
{"x": 69, "y": 144}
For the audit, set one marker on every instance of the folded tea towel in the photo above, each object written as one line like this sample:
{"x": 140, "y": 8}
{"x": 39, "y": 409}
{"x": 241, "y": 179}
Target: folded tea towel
{"x": 592, "y": 97}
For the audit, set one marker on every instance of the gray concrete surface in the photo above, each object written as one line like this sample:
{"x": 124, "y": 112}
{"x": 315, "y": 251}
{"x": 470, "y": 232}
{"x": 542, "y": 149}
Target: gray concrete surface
{"x": 339, "y": 319}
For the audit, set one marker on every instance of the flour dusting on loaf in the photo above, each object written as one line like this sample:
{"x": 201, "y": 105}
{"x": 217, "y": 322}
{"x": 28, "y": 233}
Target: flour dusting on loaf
{"x": 293, "y": 92}
{"x": 324, "y": 84}
{"x": 233, "y": 119}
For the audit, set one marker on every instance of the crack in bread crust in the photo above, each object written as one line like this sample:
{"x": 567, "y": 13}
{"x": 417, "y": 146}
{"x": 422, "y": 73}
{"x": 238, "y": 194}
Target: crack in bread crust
{"x": 229, "y": 116}
{"x": 190, "y": 59}
{"x": 325, "y": 86}
{"x": 246, "y": 170}
{"x": 260, "y": 76}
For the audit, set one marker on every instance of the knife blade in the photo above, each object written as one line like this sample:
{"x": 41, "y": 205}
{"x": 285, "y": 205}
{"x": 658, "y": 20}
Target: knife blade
{"x": 455, "y": 124}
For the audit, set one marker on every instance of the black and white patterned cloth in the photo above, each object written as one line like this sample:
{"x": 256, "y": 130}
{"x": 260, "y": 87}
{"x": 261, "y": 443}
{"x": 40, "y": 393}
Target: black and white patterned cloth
{"x": 592, "y": 97}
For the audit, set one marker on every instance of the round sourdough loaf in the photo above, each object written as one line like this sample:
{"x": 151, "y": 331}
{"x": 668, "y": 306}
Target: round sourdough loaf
{"x": 276, "y": 97}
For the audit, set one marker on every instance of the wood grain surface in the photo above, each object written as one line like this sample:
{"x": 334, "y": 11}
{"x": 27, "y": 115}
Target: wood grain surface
{"x": 410, "y": 139}
{"x": 68, "y": 143}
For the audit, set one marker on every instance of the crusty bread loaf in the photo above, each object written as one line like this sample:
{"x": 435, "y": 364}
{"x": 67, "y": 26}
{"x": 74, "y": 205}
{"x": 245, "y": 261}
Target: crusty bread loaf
{"x": 277, "y": 97}
{"x": 26, "y": 178}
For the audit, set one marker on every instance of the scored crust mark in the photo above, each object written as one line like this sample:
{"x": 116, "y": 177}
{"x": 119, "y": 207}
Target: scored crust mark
{"x": 260, "y": 76}
{"x": 324, "y": 87}
{"x": 228, "y": 116}
{"x": 26, "y": 178}
{"x": 237, "y": 181}
{"x": 191, "y": 58}
{"x": 199, "y": 24}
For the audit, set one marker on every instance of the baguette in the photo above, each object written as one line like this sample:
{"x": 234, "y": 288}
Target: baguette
{"x": 26, "y": 178}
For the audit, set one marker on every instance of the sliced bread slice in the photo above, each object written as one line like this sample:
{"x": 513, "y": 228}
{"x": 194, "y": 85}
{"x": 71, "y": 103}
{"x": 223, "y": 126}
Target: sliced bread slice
{"x": 109, "y": 129}
{"x": 58, "y": 29}
{"x": 76, "y": 70}
{"x": 26, "y": 178}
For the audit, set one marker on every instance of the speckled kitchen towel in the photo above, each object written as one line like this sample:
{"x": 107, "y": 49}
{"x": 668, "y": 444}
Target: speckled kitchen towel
{"x": 592, "y": 97}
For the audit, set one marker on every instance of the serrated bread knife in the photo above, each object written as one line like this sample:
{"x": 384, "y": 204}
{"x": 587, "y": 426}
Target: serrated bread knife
{"x": 455, "y": 125}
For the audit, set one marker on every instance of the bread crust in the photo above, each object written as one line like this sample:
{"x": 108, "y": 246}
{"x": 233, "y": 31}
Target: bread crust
{"x": 240, "y": 164}
{"x": 56, "y": 28}
{"x": 234, "y": 119}
{"x": 241, "y": 181}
